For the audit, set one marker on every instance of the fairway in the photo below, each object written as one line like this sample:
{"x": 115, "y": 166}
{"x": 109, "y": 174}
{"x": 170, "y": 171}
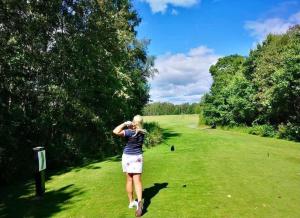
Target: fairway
{"x": 211, "y": 173}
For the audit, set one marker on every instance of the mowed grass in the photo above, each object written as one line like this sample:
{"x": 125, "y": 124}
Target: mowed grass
{"x": 211, "y": 173}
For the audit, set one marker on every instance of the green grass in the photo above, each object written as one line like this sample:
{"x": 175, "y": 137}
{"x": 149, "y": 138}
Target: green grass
{"x": 211, "y": 173}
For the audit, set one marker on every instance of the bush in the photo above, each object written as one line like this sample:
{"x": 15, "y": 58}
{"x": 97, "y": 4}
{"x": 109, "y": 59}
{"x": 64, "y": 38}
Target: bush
{"x": 263, "y": 130}
{"x": 154, "y": 135}
{"x": 201, "y": 119}
{"x": 237, "y": 128}
{"x": 289, "y": 131}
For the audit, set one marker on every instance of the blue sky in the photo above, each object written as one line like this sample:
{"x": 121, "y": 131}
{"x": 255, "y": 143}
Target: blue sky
{"x": 188, "y": 36}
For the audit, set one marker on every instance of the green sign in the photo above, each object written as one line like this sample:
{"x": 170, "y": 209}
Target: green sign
{"x": 42, "y": 160}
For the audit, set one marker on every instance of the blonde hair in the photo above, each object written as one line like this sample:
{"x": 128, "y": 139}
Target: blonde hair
{"x": 138, "y": 122}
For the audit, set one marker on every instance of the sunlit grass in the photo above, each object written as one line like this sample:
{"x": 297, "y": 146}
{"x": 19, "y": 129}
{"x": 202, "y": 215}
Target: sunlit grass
{"x": 211, "y": 173}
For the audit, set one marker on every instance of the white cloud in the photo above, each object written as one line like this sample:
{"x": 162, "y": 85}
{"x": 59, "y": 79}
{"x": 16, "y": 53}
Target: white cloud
{"x": 295, "y": 18}
{"x": 183, "y": 77}
{"x": 162, "y": 5}
{"x": 261, "y": 28}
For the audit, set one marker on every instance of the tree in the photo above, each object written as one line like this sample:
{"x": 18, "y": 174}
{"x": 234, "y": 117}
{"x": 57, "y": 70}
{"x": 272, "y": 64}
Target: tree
{"x": 70, "y": 70}
{"x": 262, "y": 89}
{"x": 217, "y": 107}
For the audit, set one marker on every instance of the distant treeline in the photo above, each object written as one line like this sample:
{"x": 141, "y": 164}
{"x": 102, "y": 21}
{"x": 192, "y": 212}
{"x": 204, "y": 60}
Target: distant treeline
{"x": 166, "y": 108}
{"x": 70, "y": 71}
{"x": 262, "y": 90}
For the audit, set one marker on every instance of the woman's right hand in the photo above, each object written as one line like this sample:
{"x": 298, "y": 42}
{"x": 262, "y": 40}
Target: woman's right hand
{"x": 128, "y": 123}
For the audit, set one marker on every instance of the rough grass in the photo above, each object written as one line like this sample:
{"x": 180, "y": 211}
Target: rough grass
{"x": 211, "y": 173}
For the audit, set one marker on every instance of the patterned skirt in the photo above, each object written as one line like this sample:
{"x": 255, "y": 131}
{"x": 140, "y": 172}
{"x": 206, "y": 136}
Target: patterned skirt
{"x": 132, "y": 163}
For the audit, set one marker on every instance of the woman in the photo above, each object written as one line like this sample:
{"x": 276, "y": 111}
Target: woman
{"x": 132, "y": 159}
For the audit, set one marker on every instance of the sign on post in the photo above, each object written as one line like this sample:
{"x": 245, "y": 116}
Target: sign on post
{"x": 39, "y": 170}
{"x": 42, "y": 160}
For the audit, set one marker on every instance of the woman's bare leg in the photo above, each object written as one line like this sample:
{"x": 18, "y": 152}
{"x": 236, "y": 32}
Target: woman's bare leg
{"x": 129, "y": 186}
{"x": 137, "y": 179}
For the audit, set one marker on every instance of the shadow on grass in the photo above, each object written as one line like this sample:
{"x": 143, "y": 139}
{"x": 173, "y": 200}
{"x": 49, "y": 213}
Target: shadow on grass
{"x": 116, "y": 158}
{"x": 18, "y": 199}
{"x": 149, "y": 193}
{"x": 85, "y": 164}
{"x": 21, "y": 202}
{"x": 88, "y": 167}
{"x": 167, "y": 134}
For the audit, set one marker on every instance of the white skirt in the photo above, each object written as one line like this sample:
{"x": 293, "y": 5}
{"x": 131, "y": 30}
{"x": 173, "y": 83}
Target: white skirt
{"x": 132, "y": 163}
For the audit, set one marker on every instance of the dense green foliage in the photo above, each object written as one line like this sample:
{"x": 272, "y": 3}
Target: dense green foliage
{"x": 154, "y": 134}
{"x": 262, "y": 89}
{"x": 166, "y": 108}
{"x": 70, "y": 71}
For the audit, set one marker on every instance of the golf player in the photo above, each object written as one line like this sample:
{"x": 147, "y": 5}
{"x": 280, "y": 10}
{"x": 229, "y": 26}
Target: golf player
{"x": 132, "y": 159}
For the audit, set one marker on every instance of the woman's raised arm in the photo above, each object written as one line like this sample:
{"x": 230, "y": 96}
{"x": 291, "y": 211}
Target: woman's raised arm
{"x": 119, "y": 129}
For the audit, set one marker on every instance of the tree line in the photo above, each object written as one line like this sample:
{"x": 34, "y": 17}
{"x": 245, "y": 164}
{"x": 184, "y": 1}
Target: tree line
{"x": 167, "y": 108}
{"x": 69, "y": 72}
{"x": 260, "y": 90}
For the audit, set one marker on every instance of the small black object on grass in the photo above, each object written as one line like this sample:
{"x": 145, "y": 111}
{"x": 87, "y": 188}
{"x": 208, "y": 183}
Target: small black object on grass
{"x": 172, "y": 148}
{"x": 213, "y": 125}
{"x": 184, "y": 186}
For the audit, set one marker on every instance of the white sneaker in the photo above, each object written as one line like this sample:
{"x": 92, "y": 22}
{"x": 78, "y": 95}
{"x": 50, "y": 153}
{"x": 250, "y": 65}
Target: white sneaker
{"x": 133, "y": 204}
